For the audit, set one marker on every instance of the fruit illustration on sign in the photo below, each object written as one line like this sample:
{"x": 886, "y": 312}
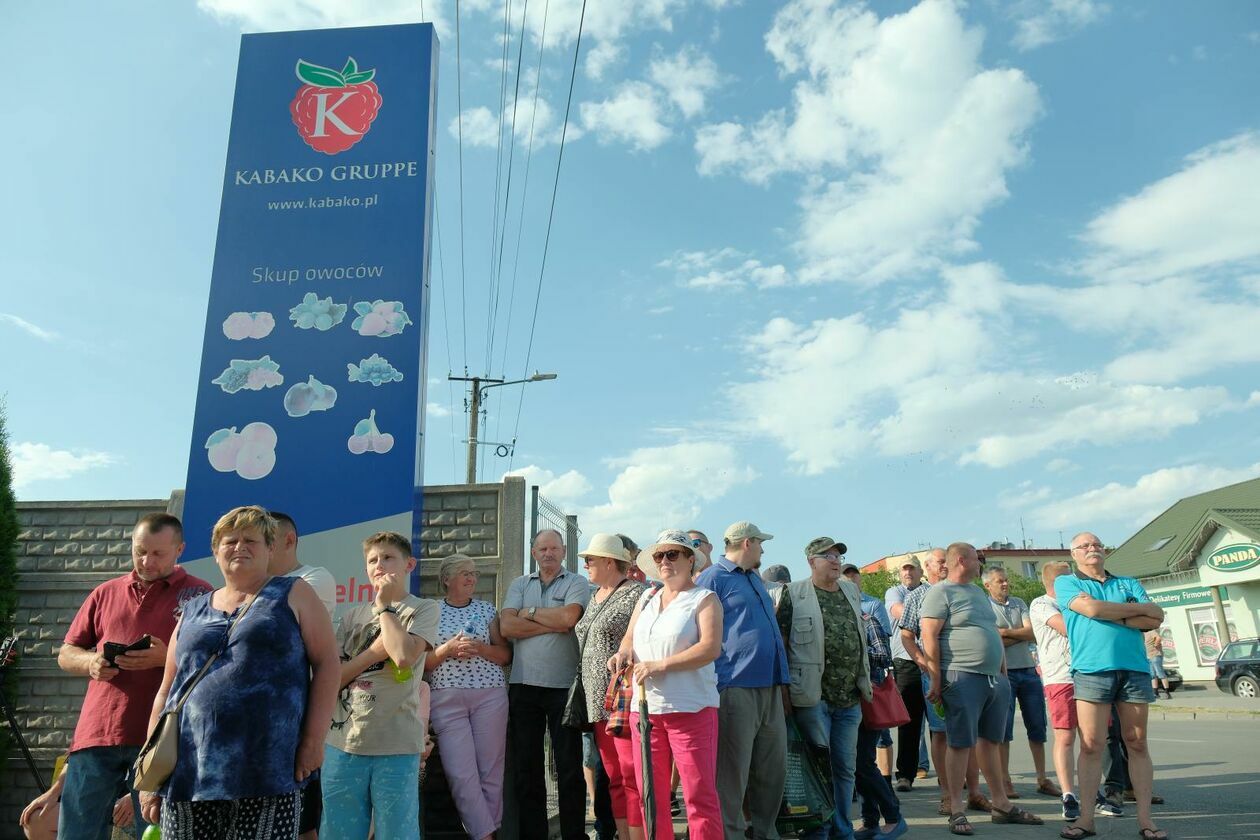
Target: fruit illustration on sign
{"x": 316, "y": 313}
{"x": 249, "y": 374}
{"x": 375, "y": 370}
{"x": 334, "y": 109}
{"x": 242, "y": 325}
{"x": 380, "y": 318}
{"x": 308, "y": 396}
{"x": 368, "y": 438}
{"x": 250, "y": 453}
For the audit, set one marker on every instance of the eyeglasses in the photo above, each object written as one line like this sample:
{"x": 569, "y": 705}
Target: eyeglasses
{"x": 1087, "y": 546}
{"x": 696, "y": 542}
{"x": 586, "y": 561}
{"x": 670, "y": 555}
{"x": 469, "y": 573}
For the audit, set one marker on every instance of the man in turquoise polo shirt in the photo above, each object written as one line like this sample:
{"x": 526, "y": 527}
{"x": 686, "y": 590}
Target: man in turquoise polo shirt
{"x": 1105, "y": 617}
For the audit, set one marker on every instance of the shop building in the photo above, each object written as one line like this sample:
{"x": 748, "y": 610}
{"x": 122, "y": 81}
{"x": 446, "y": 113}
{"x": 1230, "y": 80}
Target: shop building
{"x": 1200, "y": 561}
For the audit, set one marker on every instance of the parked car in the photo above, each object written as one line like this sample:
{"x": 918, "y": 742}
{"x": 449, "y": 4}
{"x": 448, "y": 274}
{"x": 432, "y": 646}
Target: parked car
{"x": 1238, "y": 668}
{"x": 1174, "y": 679}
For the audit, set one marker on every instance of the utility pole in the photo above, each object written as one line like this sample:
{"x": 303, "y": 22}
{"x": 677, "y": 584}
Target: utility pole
{"x": 481, "y": 384}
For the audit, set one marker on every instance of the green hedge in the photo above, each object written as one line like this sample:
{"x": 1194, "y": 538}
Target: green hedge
{"x": 8, "y": 570}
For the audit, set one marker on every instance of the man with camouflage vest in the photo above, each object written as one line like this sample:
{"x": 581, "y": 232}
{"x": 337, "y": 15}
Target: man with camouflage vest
{"x": 821, "y": 622}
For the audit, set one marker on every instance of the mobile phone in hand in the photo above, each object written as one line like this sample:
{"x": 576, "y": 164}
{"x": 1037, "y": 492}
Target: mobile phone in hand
{"x": 113, "y": 649}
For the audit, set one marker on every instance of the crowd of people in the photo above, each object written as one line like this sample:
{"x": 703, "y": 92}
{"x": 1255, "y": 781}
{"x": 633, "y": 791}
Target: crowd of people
{"x": 284, "y": 727}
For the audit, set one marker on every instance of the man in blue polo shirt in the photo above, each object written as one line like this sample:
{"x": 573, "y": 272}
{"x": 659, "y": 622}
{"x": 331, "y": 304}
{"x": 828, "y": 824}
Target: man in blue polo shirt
{"x": 1105, "y": 617}
{"x": 752, "y": 734}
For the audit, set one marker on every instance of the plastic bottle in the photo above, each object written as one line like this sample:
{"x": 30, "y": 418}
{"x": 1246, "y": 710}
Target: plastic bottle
{"x": 938, "y": 706}
{"x": 152, "y": 833}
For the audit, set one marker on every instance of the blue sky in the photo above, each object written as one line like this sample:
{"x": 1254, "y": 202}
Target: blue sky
{"x": 900, "y": 273}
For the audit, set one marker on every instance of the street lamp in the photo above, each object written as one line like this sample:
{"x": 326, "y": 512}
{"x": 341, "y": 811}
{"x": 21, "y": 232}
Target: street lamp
{"x": 481, "y": 384}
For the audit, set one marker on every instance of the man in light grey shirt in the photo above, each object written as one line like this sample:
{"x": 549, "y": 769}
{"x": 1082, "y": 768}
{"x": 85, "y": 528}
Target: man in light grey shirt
{"x": 538, "y": 616}
{"x": 967, "y": 670}
{"x": 1015, "y": 627}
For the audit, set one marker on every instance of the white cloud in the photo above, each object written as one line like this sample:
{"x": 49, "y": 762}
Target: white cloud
{"x": 601, "y": 57}
{"x": 436, "y": 409}
{"x": 1204, "y": 216}
{"x": 687, "y": 77}
{"x": 1061, "y": 465}
{"x": 724, "y": 268}
{"x": 1136, "y": 504}
{"x": 566, "y": 490}
{"x": 34, "y": 462}
{"x": 906, "y": 138}
{"x": 943, "y": 379}
{"x": 631, "y": 115}
{"x": 1041, "y": 22}
{"x": 278, "y": 15}
{"x": 479, "y": 127}
{"x": 1023, "y": 496}
{"x": 29, "y": 328}
{"x": 666, "y": 487}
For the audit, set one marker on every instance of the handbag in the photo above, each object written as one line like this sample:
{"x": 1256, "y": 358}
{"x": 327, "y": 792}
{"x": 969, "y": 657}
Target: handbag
{"x": 885, "y": 709}
{"x": 574, "y": 715}
{"x": 157, "y": 757}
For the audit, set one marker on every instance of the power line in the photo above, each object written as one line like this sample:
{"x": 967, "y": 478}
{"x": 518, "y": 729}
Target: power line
{"x": 459, "y": 117}
{"x": 498, "y": 180}
{"x": 507, "y": 197}
{"x": 551, "y": 213}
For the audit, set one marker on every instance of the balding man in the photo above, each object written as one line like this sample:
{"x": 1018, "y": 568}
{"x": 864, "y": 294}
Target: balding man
{"x": 1105, "y": 617}
{"x": 967, "y": 670}
{"x": 538, "y": 616}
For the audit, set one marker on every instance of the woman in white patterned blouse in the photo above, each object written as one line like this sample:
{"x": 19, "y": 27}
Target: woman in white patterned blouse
{"x": 469, "y": 699}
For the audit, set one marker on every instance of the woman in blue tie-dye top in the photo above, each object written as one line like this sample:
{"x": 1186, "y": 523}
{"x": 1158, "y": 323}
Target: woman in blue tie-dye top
{"x": 252, "y": 730}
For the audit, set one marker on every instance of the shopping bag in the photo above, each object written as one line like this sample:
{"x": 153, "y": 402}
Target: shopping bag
{"x": 807, "y": 799}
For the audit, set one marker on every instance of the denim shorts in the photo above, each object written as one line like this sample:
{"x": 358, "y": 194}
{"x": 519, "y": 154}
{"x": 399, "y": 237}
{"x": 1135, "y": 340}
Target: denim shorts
{"x": 975, "y": 705}
{"x": 1113, "y": 687}
{"x": 1026, "y": 687}
{"x": 1157, "y": 668}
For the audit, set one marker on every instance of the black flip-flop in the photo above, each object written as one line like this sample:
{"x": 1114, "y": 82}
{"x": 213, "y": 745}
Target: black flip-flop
{"x": 1152, "y": 834}
{"x": 1076, "y": 832}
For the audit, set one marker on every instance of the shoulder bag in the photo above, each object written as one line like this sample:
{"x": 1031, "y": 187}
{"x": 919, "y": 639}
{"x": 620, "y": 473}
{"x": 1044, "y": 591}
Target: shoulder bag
{"x": 157, "y": 757}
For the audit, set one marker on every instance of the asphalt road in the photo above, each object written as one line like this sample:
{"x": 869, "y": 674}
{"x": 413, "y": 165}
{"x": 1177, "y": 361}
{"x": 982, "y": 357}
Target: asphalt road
{"x": 1207, "y": 768}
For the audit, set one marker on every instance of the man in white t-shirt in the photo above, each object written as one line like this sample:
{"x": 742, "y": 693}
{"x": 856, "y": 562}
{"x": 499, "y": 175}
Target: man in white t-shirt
{"x": 1055, "y": 659}
{"x": 284, "y": 563}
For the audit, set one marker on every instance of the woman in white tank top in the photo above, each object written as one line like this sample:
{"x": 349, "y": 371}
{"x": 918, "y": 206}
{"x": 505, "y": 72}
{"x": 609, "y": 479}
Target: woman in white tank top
{"x": 673, "y": 639}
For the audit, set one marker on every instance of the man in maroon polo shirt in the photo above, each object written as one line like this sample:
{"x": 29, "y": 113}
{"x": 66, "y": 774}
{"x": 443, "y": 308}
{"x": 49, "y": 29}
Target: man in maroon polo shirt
{"x": 115, "y": 715}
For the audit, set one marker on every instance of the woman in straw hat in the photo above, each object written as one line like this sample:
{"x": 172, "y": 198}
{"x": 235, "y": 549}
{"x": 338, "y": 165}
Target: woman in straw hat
{"x": 599, "y": 632}
{"x": 469, "y": 700}
{"x": 674, "y": 636}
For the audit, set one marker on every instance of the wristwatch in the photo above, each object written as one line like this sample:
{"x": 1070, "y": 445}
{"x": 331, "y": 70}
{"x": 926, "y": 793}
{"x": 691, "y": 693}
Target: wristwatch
{"x": 389, "y": 609}
{"x": 530, "y": 613}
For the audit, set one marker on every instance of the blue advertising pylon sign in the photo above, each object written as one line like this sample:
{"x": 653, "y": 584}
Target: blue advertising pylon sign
{"x": 310, "y": 397}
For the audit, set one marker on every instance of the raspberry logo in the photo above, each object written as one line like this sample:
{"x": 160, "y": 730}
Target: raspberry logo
{"x": 332, "y": 110}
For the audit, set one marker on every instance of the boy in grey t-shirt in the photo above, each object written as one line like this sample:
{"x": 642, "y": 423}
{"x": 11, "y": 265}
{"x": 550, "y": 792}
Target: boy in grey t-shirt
{"x": 967, "y": 669}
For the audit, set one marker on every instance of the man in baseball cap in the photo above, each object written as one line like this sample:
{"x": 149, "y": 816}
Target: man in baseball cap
{"x": 752, "y": 733}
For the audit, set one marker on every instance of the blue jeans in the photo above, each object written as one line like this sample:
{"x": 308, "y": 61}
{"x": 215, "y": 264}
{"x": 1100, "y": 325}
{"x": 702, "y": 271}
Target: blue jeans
{"x": 95, "y": 778}
{"x": 370, "y": 790}
{"x": 877, "y": 795}
{"x": 836, "y": 729}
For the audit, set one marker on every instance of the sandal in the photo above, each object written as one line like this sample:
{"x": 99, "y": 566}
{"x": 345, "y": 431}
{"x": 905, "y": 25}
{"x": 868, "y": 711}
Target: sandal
{"x": 958, "y": 825}
{"x": 979, "y": 802}
{"x": 1015, "y": 816}
{"x": 944, "y": 809}
{"x": 1076, "y": 832}
{"x": 1152, "y": 834}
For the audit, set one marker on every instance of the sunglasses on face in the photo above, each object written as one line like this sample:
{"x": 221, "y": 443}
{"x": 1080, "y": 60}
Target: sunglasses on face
{"x": 670, "y": 555}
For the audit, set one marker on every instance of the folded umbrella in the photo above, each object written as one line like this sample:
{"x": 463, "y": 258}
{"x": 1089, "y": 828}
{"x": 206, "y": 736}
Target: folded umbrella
{"x": 647, "y": 786}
